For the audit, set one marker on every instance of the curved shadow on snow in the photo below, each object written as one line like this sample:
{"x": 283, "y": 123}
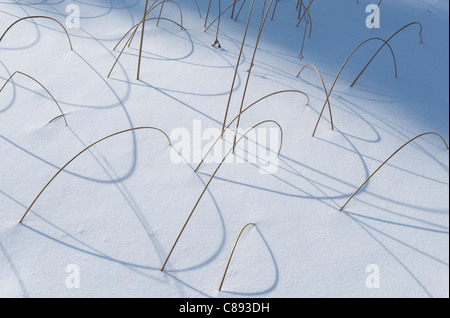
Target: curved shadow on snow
{"x": 93, "y": 251}
{"x": 157, "y": 57}
{"x": 399, "y": 134}
{"x": 209, "y": 259}
{"x": 229, "y": 65}
{"x": 180, "y": 282}
{"x": 32, "y": 44}
{"x": 427, "y": 229}
{"x": 13, "y": 99}
{"x": 365, "y": 226}
{"x": 145, "y": 225}
{"x": 55, "y": 11}
{"x": 15, "y": 271}
{"x": 127, "y": 116}
{"x": 275, "y": 279}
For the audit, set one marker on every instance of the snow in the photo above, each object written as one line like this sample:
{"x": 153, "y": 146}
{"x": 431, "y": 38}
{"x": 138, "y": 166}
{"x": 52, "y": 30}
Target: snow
{"x": 115, "y": 211}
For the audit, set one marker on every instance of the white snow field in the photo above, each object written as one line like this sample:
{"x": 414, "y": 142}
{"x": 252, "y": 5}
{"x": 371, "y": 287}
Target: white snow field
{"x": 106, "y": 224}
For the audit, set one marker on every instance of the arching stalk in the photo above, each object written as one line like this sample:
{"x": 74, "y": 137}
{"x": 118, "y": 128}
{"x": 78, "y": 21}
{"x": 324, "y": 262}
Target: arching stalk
{"x": 136, "y": 27}
{"x": 346, "y": 61}
{"x": 387, "y": 43}
{"x": 32, "y": 78}
{"x": 38, "y": 17}
{"x": 209, "y": 182}
{"x": 80, "y": 153}
{"x": 326, "y": 94}
{"x": 232, "y": 252}
{"x": 243, "y": 111}
{"x": 390, "y": 157}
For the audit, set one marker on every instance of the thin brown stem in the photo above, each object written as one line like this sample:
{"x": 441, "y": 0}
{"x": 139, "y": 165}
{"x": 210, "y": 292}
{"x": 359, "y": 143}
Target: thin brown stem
{"x": 240, "y": 9}
{"x": 274, "y": 9}
{"x": 176, "y": 3}
{"x": 160, "y": 12}
{"x": 237, "y": 66}
{"x": 159, "y": 18}
{"x": 306, "y": 11}
{"x": 376, "y": 11}
{"x": 40, "y": 84}
{"x": 326, "y": 94}
{"x": 232, "y": 252}
{"x": 207, "y": 12}
{"x": 198, "y": 8}
{"x": 220, "y": 14}
{"x": 80, "y": 153}
{"x": 234, "y": 7}
{"x": 347, "y": 60}
{"x": 300, "y": 7}
{"x": 136, "y": 27}
{"x": 121, "y": 52}
{"x": 387, "y": 43}
{"x": 390, "y": 157}
{"x": 211, "y": 179}
{"x": 243, "y": 111}
{"x": 55, "y": 119}
{"x": 38, "y": 17}
{"x": 142, "y": 38}
{"x": 263, "y": 22}
{"x": 304, "y": 37}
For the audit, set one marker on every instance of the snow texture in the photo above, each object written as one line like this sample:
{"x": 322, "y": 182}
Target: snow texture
{"x": 116, "y": 210}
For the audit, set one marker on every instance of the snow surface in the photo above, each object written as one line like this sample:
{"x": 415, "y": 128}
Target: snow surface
{"x": 116, "y": 210}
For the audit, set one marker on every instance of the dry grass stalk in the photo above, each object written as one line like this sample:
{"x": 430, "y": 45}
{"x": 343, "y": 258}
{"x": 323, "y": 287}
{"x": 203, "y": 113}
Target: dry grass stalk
{"x": 234, "y": 6}
{"x": 237, "y": 66}
{"x": 80, "y": 153}
{"x": 40, "y": 84}
{"x": 243, "y": 111}
{"x": 142, "y": 36}
{"x": 346, "y": 61}
{"x": 162, "y": 5}
{"x": 38, "y": 17}
{"x": 249, "y": 73}
{"x": 198, "y": 8}
{"x": 326, "y": 94}
{"x": 217, "y": 42}
{"x": 232, "y": 252}
{"x": 307, "y": 23}
{"x": 390, "y": 157}
{"x": 136, "y": 27}
{"x": 274, "y": 9}
{"x": 299, "y": 8}
{"x": 387, "y": 43}
{"x": 207, "y": 12}
{"x": 219, "y": 16}
{"x": 240, "y": 9}
{"x": 212, "y": 178}
{"x": 306, "y": 11}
